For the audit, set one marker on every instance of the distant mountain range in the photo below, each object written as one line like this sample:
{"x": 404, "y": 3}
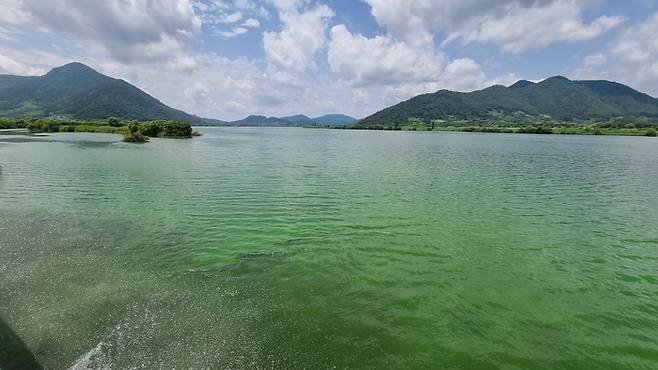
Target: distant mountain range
{"x": 292, "y": 121}
{"x": 558, "y": 97}
{"x": 77, "y": 91}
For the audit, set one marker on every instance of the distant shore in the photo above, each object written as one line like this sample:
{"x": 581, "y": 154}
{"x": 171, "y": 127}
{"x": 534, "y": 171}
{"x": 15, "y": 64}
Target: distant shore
{"x": 543, "y": 129}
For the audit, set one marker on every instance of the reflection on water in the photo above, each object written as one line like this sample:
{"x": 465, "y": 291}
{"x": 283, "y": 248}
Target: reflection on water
{"x": 291, "y": 248}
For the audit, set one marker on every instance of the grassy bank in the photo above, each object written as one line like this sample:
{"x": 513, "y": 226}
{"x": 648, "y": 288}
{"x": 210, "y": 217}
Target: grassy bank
{"x": 133, "y": 131}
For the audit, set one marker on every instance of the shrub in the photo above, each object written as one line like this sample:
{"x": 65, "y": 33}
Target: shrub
{"x": 34, "y": 126}
{"x": 135, "y": 137}
{"x": 150, "y": 128}
{"x": 114, "y": 122}
{"x": 178, "y": 129}
{"x": 650, "y": 132}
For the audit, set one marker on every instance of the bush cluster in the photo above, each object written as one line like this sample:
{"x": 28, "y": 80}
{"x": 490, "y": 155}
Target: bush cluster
{"x": 158, "y": 128}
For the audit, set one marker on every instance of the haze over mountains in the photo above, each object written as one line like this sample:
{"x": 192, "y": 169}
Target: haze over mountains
{"x": 557, "y": 97}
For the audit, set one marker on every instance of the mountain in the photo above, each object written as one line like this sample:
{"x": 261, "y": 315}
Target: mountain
{"x": 260, "y": 121}
{"x": 334, "y": 119}
{"x": 558, "y": 97}
{"x": 77, "y": 91}
{"x": 298, "y": 120}
{"x": 211, "y": 122}
{"x": 294, "y": 121}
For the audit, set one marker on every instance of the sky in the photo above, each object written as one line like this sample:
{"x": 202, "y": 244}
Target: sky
{"x": 226, "y": 59}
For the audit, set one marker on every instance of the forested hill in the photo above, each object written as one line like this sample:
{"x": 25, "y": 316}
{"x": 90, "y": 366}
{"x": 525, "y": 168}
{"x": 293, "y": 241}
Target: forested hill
{"x": 558, "y": 97}
{"x": 77, "y": 91}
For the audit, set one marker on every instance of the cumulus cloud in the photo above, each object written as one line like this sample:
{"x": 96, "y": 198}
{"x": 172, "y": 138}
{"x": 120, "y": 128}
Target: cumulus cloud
{"x": 380, "y": 60}
{"x": 127, "y": 31}
{"x": 386, "y": 61}
{"x": 630, "y": 58}
{"x": 383, "y": 70}
{"x": 294, "y": 48}
{"x": 522, "y": 29}
{"x": 230, "y": 89}
{"x": 514, "y": 25}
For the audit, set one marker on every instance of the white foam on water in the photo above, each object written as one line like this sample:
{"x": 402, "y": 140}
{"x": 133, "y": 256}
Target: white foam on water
{"x": 85, "y": 360}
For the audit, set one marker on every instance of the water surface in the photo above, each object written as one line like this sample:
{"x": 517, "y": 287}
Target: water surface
{"x": 294, "y": 248}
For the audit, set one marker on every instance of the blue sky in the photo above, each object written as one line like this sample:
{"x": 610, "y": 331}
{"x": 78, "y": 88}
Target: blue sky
{"x": 229, "y": 58}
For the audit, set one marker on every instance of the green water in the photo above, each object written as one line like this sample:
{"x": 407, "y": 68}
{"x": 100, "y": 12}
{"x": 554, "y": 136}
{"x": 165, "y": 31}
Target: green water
{"x": 293, "y": 248}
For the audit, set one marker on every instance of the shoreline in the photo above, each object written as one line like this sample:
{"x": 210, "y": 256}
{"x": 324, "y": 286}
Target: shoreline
{"x": 536, "y": 130}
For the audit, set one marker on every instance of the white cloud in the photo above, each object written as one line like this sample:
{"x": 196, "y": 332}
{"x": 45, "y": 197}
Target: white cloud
{"x": 514, "y": 25}
{"x": 25, "y": 61}
{"x": 126, "y": 30}
{"x": 631, "y": 58}
{"x": 251, "y": 23}
{"x": 383, "y": 70}
{"x": 594, "y": 60}
{"x": 380, "y": 60}
{"x": 231, "y": 18}
{"x": 12, "y": 12}
{"x": 234, "y": 32}
{"x": 523, "y": 29}
{"x": 11, "y": 66}
{"x": 288, "y": 5}
{"x": 226, "y": 19}
{"x": 294, "y": 48}
{"x": 464, "y": 74}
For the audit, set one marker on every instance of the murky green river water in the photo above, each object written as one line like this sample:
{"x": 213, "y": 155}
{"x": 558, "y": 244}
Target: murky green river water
{"x": 294, "y": 248}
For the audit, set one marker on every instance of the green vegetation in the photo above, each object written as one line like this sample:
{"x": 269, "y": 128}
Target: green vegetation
{"x": 134, "y": 131}
{"x": 134, "y": 135}
{"x": 615, "y": 126}
{"x": 78, "y": 92}
{"x": 552, "y": 101}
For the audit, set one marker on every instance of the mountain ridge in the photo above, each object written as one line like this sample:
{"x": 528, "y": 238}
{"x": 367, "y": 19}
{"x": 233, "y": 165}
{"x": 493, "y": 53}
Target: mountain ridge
{"x": 298, "y": 120}
{"x": 558, "y": 97}
{"x": 77, "y": 91}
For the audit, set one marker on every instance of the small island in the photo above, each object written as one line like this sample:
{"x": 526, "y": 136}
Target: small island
{"x": 133, "y": 131}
